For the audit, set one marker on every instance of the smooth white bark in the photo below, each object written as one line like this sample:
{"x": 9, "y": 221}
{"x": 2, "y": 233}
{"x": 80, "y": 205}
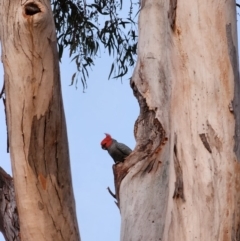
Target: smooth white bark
{"x": 36, "y": 122}
{"x": 188, "y": 77}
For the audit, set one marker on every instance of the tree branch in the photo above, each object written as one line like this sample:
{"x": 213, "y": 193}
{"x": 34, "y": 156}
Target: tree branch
{"x": 9, "y": 223}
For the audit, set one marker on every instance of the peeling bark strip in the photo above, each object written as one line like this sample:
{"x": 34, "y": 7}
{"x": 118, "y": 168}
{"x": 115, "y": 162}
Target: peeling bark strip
{"x": 214, "y": 140}
{"x": 36, "y": 122}
{"x": 205, "y": 142}
{"x": 153, "y": 137}
{"x": 9, "y": 223}
{"x": 233, "y": 56}
{"x": 151, "y": 132}
{"x": 179, "y": 187}
{"x": 172, "y": 13}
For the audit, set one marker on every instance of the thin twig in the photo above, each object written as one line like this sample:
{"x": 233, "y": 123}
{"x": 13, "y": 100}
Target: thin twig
{"x": 111, "y": 193}
{"x": 2, "y": 91}
{"x": 4, "y": 103}
{"x": 117, "y": 205}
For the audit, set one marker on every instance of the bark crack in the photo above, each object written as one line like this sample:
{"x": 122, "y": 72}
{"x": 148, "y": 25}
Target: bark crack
{"x": 56, "y": 228}
{"x": 179, "y": 186}
{"x": 205, "y": 142}
{"x": 44, "y": 143}
{"x": 172, "y": 12}
{"x": 22, "y": 130}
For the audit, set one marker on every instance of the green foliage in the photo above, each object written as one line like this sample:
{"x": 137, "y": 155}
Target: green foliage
{"x": 85, "y": 28}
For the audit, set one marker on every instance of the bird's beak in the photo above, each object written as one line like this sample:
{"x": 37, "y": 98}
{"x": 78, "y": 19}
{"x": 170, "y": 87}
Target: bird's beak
{"x": 104, "y": 147}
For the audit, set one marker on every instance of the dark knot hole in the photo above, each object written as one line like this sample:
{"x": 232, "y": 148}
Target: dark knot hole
{"x": 31, "y": 9}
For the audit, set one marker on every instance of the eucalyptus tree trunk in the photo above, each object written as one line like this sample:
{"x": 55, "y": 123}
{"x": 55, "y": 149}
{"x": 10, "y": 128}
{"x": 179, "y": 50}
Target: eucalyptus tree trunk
{"x": 36, "y": 123}
{"x": 182, "y": 180}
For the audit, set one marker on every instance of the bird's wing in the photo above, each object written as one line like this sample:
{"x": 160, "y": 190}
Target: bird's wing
{"x": 124, "y": 149}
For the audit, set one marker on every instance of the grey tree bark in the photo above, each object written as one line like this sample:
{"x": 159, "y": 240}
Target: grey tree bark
{"x": 36, "y": 122}
{"x": 9, "y": 222}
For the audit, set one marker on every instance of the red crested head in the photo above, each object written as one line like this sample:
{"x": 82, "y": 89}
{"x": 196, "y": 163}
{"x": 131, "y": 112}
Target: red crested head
{"x": 106, "y": 142}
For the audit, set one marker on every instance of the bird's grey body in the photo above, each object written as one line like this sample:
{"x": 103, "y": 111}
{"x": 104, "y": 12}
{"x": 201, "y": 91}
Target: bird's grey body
{"x": 118, "y": 151}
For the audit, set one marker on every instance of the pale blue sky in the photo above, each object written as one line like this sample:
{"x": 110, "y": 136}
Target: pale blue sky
{"x": 106, "y": 106}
